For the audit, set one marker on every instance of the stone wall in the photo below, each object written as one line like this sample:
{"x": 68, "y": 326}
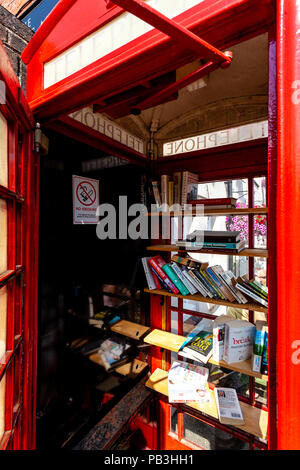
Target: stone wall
{"x": 15, "y": 35}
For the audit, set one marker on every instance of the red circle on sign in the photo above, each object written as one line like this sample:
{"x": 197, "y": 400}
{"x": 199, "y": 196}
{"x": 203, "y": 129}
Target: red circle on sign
{"x": 87, "y": 196}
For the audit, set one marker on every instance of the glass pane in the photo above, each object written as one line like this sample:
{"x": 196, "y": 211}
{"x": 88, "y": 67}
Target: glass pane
{"x": 261, "y": 394}
{"x": 174, "y": 420}
{"x": 2, "y": 406}
{"x": 3, "y": 321}
{"x": 3, "y": 152}
{"x": 259, "y": 192}
{"x": 208, "y": 437}
{"x": 237, "y": 189}
{"x": 3, "y": 236}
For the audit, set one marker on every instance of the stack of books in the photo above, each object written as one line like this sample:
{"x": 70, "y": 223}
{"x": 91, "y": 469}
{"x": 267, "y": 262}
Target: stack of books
{"x": 214, "y": 240}
{"x": 252, "y": 289}
{"x": 186, "y": 276}
{"x": 178, "y": 188}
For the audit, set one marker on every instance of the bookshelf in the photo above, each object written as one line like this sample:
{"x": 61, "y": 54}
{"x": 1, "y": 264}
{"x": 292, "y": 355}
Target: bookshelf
{"x": 207, "y": 211}
{"x": 173, "y": 342}
{"x": 251, "y": 252}
{"x": 200, "y": 298}
{"x": 256, "y": 417}
{"x": 256, "y": 420}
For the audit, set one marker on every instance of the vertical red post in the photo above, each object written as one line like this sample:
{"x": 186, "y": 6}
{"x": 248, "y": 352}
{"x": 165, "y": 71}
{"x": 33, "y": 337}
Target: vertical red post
{"x": 287, "y": 225}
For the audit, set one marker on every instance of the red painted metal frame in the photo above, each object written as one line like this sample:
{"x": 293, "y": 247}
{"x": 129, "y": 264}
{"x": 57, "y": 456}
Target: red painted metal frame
{"x": 221, "y": 23}
{"x": 19, "y": 366}
{"x": 287, "y": 219}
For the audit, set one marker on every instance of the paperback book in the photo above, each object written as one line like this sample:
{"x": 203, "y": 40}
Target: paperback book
{"x": 229, "y": 409}
{"x": 187, "y": 383}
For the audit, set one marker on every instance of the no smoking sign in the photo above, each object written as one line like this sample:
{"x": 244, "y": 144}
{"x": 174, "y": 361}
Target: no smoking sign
{"x": 85, "y": 200}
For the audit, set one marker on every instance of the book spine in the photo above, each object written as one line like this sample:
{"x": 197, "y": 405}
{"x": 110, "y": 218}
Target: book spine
{"x": 264, "y": 361}
{"x": 149, "y": 277}
{"x": 211, "y": 283}
{"x": 183, "y": 279}
{"x": 250, "y": 294}
{"x": 156, "y": 192}
{"x": 171, "y": 193}
{"x": 175, "y": 279}
{"x": 197, "y": 283}
{"x": 225, "y": 245}
{"x": 251, "y": 289}
{"x": 164, "y": 189}
{"x": 259, "y": 290}
{"x": 158, "y": 269}
{"x": 163, "y": 284}
{"x": 189, "y": 277}
{"x": 221, "y": 287}
{"x": 233, "y": 291}
{"x": 177, "y": 187}
{"x": 205, "y": 284}
{"x": 261, "y": 286}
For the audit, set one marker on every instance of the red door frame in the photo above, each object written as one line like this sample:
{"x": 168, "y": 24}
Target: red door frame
{"x": 239, "y": 19}
{"x": 19, "y": 365}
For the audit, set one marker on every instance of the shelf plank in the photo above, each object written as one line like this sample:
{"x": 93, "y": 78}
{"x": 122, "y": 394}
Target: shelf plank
{"x": 208, "y": 211}
{"x": 252, "y": 252}
{"x": 200, "y": 298}
{"x": 130, "y": 329}
{"x": 173, "y": 342}
{"x": 256, "y": 420}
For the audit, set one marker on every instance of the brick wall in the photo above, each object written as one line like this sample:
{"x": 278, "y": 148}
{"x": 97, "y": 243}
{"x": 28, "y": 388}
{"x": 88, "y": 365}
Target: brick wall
{"x": 14, "y": 35}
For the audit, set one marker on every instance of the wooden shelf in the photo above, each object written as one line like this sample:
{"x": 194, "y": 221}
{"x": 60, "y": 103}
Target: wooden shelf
{"x": 200, "y": 298}
{"x": 172, "y": 342}
{"x": 130, "y": 329}
{"x": 252, "y": 252}
{"x": 256, "y": 420}
{"x": 208, "y": 211}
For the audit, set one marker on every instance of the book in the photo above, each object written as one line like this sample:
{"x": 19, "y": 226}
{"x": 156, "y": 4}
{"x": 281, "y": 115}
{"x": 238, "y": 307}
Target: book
{"x": 214, "y": 236}
{"x": 160, "y": 280}
{"x": 258, "y": 289}
{"x": 187, "y": 383}
{"x": 170, "y": 193}
{"x": 217, "y": 203}
{"x": 248, "y": 286}
{"x": 229, "y": 409}
{"x": 211, "y": 293}
{"x": 219, "y": 336}
{"x": 200, "y": 346}
{"x": 265, "y": 361}
{"x": 167, "y": 268}
{"x": 227, "y": 293}
{"x": 195, "y": 281}
{"x": 149, "y": 275}
{"x": 177, "y": 187}
{"x": 249, "y": 293}
{"x": 156, "y": 192}
{"x": 164, "y": 181}
{"x": 112, "y": 350}
{"x": 213, "y": 284}
{"x": 228, "y": 277}
{"x": 189, "y": 262}
{"x": 157, "y": 263}
{"x": 261, "y": 328}
{"x": 192, "y": 290}
{"x": 97, "y": 323}
{"x": 189, "y": 186}
{"x": 238, "y": 342}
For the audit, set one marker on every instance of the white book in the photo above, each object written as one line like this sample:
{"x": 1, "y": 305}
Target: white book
{"x": 242, "y": 298}
{"x": 186, "y": 382}
{"x": 191, "y": 280}
{"x": 148, "y": 273}
{"x": 228, "y": 405}
{"x": 238, "y": 342}
{"x": 219, "y": 336}
{"x": 252, "y": 295}
{"x": 197, "y": 283}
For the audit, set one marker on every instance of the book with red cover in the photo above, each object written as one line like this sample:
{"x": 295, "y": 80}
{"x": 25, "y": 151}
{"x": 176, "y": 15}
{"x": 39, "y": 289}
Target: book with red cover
{"x": 157, "y": 262}
{"x": 226, "y": 201}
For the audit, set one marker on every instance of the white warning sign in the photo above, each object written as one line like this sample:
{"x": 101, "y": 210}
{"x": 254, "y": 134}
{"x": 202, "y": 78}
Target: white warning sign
{"x": 85, "y": 200}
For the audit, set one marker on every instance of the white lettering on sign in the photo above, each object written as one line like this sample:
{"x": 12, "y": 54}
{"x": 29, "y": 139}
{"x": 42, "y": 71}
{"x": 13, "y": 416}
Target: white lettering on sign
{"x": 234, "y": 135}
{"x": 109, "y": 128}
{"x": 112, "y": 36}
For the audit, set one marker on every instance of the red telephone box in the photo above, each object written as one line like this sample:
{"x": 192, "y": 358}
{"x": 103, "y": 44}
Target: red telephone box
{"x": 69, "y": 72}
